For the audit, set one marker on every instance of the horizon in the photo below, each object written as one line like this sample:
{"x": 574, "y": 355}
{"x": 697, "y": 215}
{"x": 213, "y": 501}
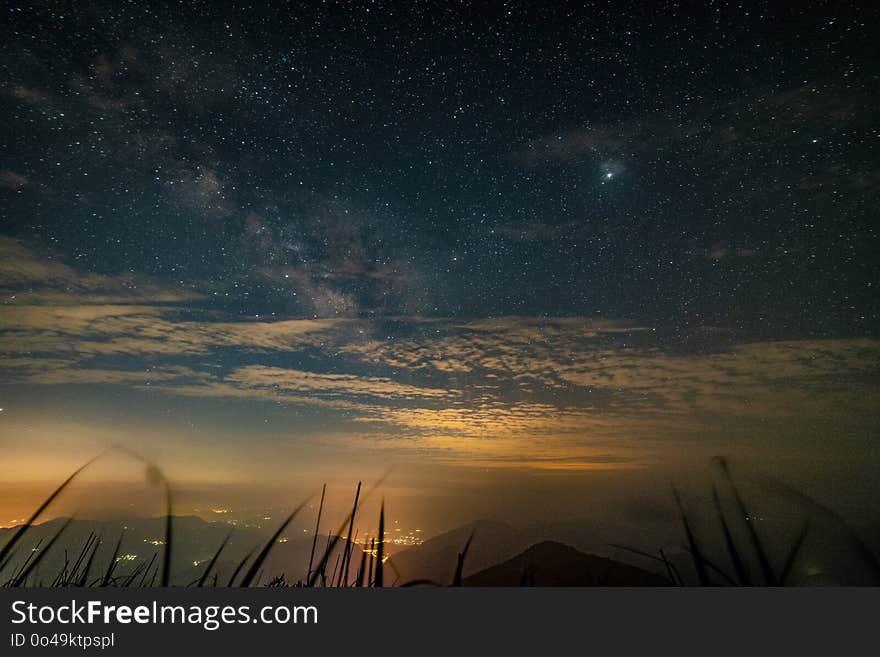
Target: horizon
{"x": 539, "y": 275}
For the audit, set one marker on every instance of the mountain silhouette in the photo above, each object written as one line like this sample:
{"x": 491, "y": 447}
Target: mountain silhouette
{"x": 553, "y": 564}
{"x": 436, "y": 558}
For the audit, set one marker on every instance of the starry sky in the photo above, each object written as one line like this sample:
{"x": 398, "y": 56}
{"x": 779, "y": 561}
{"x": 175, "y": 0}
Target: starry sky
{"x": 494, "y": 246}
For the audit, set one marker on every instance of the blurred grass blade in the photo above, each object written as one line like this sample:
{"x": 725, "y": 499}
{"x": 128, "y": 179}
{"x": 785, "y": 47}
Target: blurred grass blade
{"x": 674, "y": 576}
{"x": 815, "y": 507}
{"x": 213, "y": 561}
{"x": 6, "y": 549}
{"x": 699, "y": 563}
{"x": 711, "y": 565}
{"x": 763, "y": 560}
{"x": 9, "y": 558}
{"x": 670, "y": 568}
{"x": 790, "y": 560}
{"x": 239, "y": 567}
{"x": 739, "y": 566}
{"x": 641, "y": 553}
{"x": 31, "y": 555}
{"x": 261, "y": 557}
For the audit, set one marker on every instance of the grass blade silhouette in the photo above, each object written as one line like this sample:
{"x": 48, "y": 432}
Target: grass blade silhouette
{"x": 739, "y": 566}
{"x": 31, "y": 555}
{"x": 166, "y": 560}
{"x": 335, "y": 567}
{"x": 126, "y": 583}
{"x": 317, "y": 529}
{"x": 791, "y": 558}
{"x": 641, "y": 553}
{"x": 321, "y": 568}
{"x": 674, "y": 578}
{"x": 346, "y": 552}
{"x": 144, "y": 576}
{"x": 74, "y": 569}
{"x": 213, "y": 561}
{"x": 239, "y": 567}
{"x": 7, "y": 548}
{"x": 671, "y": 570}
{"x": 9, "y": 558}
{"x": 715, "y": 568}
{"x": 261, "y": 557}
{"x": 816, "y": 507}
{"x": 39, "y": 557}
{"x": 113, "y": 560}
{"x": 459, "y": 568}
{"x": 763, "y": 560}
{"x": 380, "y": 548}
{"x": 112, "y": 565}
{"x": 359, "y": 580}
{"x": 699, "y": 563}
{"x": 84, "y": 577}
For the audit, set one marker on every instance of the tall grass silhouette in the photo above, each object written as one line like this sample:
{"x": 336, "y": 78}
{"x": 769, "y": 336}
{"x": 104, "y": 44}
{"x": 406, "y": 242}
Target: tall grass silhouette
{"x": 746, "y": 558}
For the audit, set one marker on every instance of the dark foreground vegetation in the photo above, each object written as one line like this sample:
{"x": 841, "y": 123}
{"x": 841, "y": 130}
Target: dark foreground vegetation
{"x": 736, "y": 555}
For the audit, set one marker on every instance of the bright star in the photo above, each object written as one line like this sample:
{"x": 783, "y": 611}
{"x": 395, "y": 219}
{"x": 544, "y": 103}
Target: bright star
{"x": 610, "y": 169}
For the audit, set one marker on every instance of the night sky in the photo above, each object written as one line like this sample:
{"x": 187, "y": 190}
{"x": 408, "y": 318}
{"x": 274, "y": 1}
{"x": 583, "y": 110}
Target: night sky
{"x": 502, "y": 246}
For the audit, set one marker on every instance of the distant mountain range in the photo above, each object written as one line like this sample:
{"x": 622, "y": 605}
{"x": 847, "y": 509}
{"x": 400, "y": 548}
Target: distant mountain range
{"x": 141, "y": 539}
{"x": 497, "y": 555}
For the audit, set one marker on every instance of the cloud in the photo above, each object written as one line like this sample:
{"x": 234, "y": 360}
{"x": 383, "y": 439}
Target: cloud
{"x": 60, "y": 372}
{"x": 758, "y": 120}
{"x": 599, "y": 139}
{"x": 27, "y": 277}
{"x": 554, "y": 390}
{"x": 30, "y": 95}
{"x": 90, "y": 330}
{"x": 535, "y": 231}
{"x": 572, "y": 144}
{"x": 546, "y": 391}
{"x": 721, "y": 251}
{"x": 512, "y": 344}
{"x": 624, "y": 371}
{"x": 12, "y": 180}
{"x": 509, "y": 373}
{"x": 331, "y": 385}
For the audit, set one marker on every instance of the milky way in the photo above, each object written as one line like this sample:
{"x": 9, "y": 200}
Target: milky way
{"x": 522, "y": 236}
